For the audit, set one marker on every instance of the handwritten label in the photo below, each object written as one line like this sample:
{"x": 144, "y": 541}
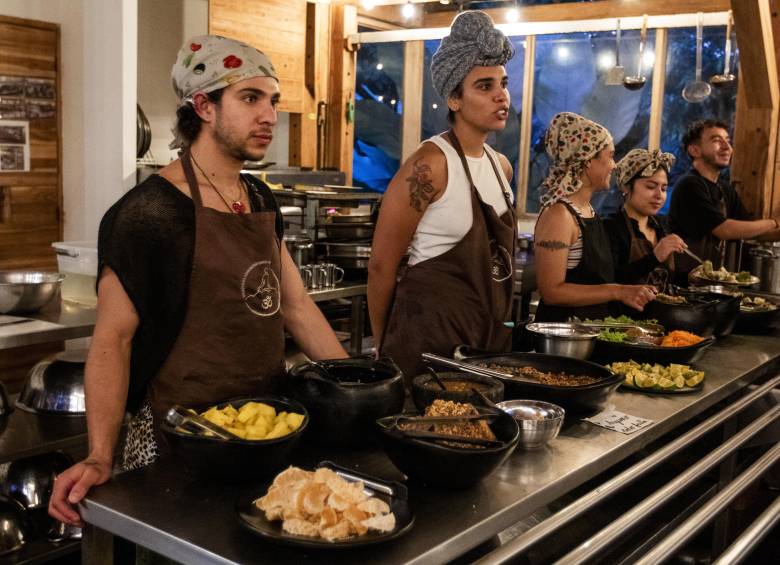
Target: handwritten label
{"x": 619, "y": 422}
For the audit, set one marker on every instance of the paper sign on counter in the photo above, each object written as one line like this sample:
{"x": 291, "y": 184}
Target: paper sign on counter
{"x": 619, "y": 422}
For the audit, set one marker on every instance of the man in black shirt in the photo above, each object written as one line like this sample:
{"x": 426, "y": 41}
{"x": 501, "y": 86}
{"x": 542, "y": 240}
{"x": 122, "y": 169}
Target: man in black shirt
{"x": 195, "y": 290}
{"x": 706, "y": 211}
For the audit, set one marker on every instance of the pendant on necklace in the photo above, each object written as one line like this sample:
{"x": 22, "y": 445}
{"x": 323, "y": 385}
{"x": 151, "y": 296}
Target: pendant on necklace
{"x": 238, "y": 207}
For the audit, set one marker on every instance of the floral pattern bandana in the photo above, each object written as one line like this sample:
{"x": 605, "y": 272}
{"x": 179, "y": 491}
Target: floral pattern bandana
{"x": 641, "y": 162}
{"x": 571, "y": 141}
{"x": 209, "y": 62}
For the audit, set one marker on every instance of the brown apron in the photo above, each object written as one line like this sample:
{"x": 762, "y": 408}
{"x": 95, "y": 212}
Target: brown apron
{"x": 462, "y": 296}
{"x": 641, "y": 248}
{"x": 232, "y": 340}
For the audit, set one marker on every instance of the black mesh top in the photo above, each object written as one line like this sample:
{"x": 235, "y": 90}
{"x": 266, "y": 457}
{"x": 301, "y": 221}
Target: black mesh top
{"x": 148, "y": 239}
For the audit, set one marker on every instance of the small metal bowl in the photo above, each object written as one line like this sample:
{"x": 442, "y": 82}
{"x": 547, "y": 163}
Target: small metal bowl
{"x": 55, "y": 385}
{"x": 539, "y": 422}
{"x": 14, "y": 526}
{"x": 27, "y": 291}
{"x": 30, "y": 480}
{"x": 567, "y": 340}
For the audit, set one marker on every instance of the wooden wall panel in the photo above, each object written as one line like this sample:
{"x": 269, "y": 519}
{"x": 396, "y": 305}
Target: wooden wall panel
{"x": 30, "y": 202}
{"x": 278, "y": 29}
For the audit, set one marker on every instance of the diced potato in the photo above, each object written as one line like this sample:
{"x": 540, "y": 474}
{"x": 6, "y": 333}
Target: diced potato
{"x": 294, "y": 421}
{"x": 266, "y": 410}
{"x": 230, "y": 410}
{"x": 247, "y": 413}
{"x": 256, "y": 432}
{"x": 280, "y": 429}
{"x": 240, "y": 433}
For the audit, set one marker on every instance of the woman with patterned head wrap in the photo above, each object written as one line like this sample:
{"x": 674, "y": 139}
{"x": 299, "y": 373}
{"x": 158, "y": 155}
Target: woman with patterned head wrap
{"x": 195, "y": 291}
{"x": 574, "y": 268}
{"x": 642, "y": 249}
{"x": 450, "y": 205}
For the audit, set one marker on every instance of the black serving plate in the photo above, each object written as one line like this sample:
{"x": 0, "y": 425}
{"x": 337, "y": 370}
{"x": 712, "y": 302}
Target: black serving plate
{"x": 758, "y": 322}
{"x": 609, "y": 351}
{"x": 394, "y": 494}
{"x": 683, "y": 390}
{"x": 579, "y": 400}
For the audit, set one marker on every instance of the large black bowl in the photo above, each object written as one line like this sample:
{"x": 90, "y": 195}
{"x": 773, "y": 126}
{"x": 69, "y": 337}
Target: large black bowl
{"x": 758, "y": 322}
{"x": 608, "y": 352}
{"x": 425, "y": 390}
{"x": 585, "y": 399}
{"x": 239, "y": 459}
{"x": 441, "y": 466}
{"x": 700, "y": 318}
{"x": 347, "y": 397}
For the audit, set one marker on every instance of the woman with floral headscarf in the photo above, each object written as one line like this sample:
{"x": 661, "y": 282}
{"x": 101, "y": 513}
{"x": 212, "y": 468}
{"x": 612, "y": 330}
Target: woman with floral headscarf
{"x": 451, "y": 207}
{"x": 575, "y": 270}
{"x": 642, "y": 249}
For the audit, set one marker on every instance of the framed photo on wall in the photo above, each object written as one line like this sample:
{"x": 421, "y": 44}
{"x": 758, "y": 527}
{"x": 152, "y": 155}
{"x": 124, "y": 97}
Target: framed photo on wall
{"x": 14, "y": 146}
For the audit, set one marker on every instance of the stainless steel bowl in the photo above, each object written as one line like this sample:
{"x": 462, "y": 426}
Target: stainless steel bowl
{"x": 56, "y": 385}
{"x": 14, "y": 527}
{"x": 567, "y": 340}
{"x": 30, "y": 480}
{"x": 539, "y": 422}
{"x": 27, "y": 291}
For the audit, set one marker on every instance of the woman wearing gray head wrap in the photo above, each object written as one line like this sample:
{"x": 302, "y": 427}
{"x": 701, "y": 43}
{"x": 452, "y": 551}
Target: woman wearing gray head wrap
{"x": 575, "y": 271}
{"x": 642, "y": 248}
{"x": 452, "y": 207}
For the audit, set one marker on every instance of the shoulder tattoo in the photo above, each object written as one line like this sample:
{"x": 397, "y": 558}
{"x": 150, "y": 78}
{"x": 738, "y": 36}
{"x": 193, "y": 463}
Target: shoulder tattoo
{"x": 552, "y": 245}
{"x": 420, "y": 185}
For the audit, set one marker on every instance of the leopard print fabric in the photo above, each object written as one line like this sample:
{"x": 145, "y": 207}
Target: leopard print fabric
{"x": 140, "y": 446}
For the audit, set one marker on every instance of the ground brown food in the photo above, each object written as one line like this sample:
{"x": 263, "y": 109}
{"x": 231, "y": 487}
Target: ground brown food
{"x": 556, "y": 379}
{"x": 479, "y": 429}
{"x": 458, "y": 386}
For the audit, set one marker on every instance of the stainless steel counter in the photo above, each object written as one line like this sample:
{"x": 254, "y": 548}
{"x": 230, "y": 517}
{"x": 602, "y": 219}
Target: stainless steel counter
{"x": 66, "y": 320}
{"x": 193, "y": 521}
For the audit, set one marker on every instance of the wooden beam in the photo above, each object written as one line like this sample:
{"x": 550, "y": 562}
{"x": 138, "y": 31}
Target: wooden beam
{"x": 756, "y": 123}
{"x": 591, "y": 10}
{"x": 341, "y": 100}
{"x": 659, "y": 84}
{"x": 414, "y": 60}
{"x": 526, "y": 123}
{"x": 304, "y": 139}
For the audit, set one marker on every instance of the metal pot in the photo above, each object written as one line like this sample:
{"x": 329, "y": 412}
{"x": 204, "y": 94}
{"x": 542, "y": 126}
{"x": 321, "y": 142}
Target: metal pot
{"x": 765, "y": 264}
{"x": 357, "y": 250}
{"x": 56, "y": 385}
{"x": 300, "y": 247}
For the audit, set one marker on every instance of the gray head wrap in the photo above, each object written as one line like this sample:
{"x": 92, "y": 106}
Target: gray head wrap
{"x": 472, "y": 42}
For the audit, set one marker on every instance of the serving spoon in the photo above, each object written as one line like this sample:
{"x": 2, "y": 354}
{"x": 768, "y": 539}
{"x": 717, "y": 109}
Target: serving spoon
{"x": 698, "y": 90}
{"x": 725, "y": 79}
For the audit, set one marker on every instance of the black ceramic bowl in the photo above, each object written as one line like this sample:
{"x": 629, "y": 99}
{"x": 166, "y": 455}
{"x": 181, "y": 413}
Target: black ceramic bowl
{"x": 238, "y": 459}
{"x": 700, "y": 318}
{"x": 756, "y": 322}
{"x": 579, "y": 400}
{"x": 346, "y": 396}
{"x": 608, "y": 352}
{"x": 425, "y": 390}
{"x": 441, "y": 466}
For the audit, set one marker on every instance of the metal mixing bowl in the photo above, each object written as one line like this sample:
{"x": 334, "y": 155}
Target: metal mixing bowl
{"x": 13, "y": 525}
{"x": 27, "y": 291}
{"x": 567, "y": 340}
{"x": 539, "y": 422}
{"x": 30, "y": 480}
{"x": 56, "y": 384}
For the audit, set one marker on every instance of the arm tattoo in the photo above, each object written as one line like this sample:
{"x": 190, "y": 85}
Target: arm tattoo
{"x": 552, "y": 245}
{"x": 420, "y": 187}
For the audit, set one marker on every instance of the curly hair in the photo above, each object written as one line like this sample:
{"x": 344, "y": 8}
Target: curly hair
{"x": 188, "y": 122}
{"x": 693, "y": 133}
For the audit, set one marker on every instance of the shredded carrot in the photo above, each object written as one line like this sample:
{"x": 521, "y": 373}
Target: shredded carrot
{"x": 680, "y": 338}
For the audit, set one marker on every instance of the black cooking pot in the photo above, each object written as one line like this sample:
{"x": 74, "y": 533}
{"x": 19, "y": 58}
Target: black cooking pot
{"x": 700, "y": 317}
{"x": 761, "y": 321}
{"x": 346, "y": 396}
{"x": 726, "y": 305}
{"x": 576, "y": 400}
{"x": 425, "y": 390}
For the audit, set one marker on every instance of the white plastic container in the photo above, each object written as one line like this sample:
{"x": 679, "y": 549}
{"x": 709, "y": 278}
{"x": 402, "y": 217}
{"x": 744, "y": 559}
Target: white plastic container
{"x": 78, "y": 261}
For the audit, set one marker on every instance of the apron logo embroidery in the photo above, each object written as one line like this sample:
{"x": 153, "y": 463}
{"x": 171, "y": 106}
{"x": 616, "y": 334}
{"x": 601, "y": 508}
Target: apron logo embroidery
{"x": 260, "y": 289}
{"x": 501, "y": 262}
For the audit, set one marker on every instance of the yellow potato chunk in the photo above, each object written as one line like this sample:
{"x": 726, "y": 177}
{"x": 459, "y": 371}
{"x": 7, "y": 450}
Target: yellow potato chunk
{"x": 266, "y": 410}
{"x": 247, "y": 413}
{"x": 240, "y": 433}
{"x": 294, "y": 421}
{"x": 280, "y": 429}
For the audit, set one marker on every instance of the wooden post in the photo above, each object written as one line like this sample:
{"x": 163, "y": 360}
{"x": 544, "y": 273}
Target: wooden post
{"x": 659, "y": 85}
{"x": 414, "y": 60}
{"x": 756, "y": 124}
{"x": 341, "y": 113}
{"x": 526, "y": 122}
{"x": 304, "y": 140}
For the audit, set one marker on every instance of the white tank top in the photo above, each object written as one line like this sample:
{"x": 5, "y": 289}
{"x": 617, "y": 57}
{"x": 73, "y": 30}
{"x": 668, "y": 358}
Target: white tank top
{"x": 447, "y": 220}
